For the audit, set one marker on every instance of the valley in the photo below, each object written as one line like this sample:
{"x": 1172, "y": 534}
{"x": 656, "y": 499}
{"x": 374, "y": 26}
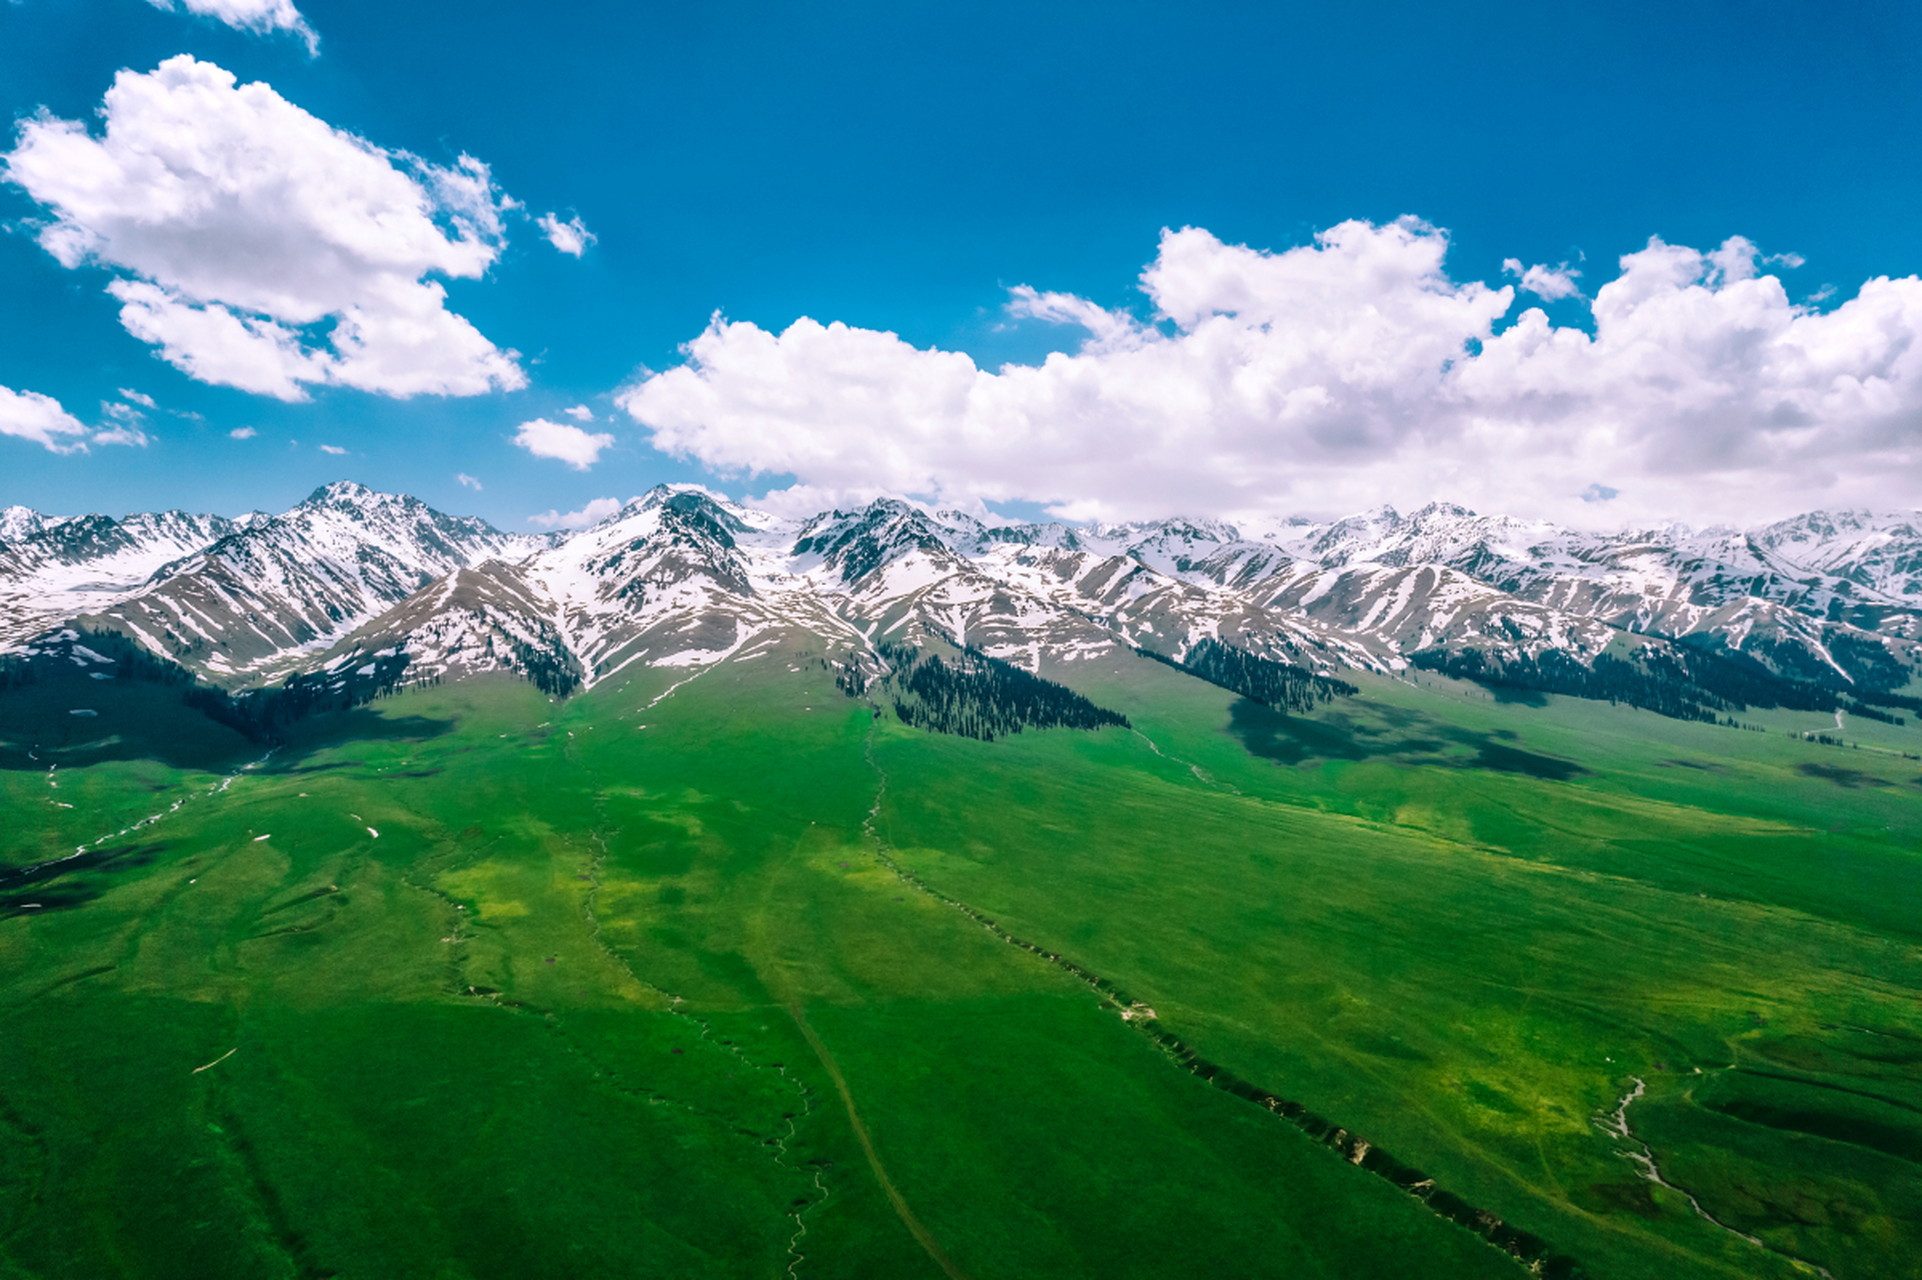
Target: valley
{"x": 601, "y": 912}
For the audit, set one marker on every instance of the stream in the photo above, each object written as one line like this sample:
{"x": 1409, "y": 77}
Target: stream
{"x": 1615, "y": 1123}
{"x": 779, "y": 1141}
{"x": 43, "y": 870}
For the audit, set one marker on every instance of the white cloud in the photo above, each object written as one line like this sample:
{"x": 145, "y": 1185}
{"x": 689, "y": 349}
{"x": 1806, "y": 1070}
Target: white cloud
{"x": 135, "y": 397}
{"x": 1337, "y": 375}
{"x": 32, "y": 416}
{"x": 1281, "y": 364}
{"x": 593, "y": 513}
{"x": 580, "y": 413}
{"x": 1547, "y": 283}
{"x": 1108, "y": 330}
{"x": 570, "y": 237}
{"x": 571, "y": 445}
{"x": 250, "y": 230}
{"x": 127, "y": 423}
{"x": 214, "y": 345}
{"x": 334, "y": 449}
{"x": 262, "y": 17}
{"x": 799, "y": 501}
{"x": 243, "y": 433}
{"x": 468, "y": 482}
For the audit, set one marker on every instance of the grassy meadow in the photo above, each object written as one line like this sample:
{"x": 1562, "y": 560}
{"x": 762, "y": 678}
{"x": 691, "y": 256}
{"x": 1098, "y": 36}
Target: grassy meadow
{"x": 695, "y": 980}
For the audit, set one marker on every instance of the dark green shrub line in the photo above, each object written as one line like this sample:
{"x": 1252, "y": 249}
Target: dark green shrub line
{"x": 975, "y": 696}
{"x": 548, "y": 665}
{"x": 1280, "y": 685}
{"x": 1738, "y": 678}
{"x": 1681, "y": 681}
{"x": 1611, "y": 679}
{"x": 849, "y": 677}
{"x": 1880, "y": 698}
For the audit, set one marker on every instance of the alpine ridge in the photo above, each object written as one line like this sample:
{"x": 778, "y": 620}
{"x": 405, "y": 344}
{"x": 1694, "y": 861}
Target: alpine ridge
{"x": 352, "y": 581}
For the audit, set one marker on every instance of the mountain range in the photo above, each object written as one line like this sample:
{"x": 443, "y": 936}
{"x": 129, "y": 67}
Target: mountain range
{"x": 353, "y": 586}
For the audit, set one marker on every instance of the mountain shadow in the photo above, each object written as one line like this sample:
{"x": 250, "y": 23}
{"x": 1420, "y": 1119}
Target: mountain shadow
{"x": 1335, "y": 735}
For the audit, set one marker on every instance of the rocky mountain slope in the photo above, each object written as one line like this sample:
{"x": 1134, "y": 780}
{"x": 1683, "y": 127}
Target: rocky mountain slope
{"x": 352, "y": 584}
{"x": 52, "y": 568}
{"x": 240, "y": 601}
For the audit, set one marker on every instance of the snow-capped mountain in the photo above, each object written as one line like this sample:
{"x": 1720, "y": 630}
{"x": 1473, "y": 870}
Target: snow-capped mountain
{"x": 23, "y": 522}
{"x": 478, "y": 618}
{"x": 1825, "y": 617}
{"x": 355, "y": 581}
{"x": 54, "y": 568}
{"x": 245, "y": 601}
{"x": 1880, "y": 553}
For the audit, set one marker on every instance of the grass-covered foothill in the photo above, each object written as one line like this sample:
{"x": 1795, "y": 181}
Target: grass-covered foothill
{"x": 715, "y": 978}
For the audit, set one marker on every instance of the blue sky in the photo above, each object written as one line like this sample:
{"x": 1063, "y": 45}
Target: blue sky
{"x": 901, "y": 167}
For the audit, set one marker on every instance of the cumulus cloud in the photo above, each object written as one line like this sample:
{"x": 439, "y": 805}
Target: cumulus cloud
{"x": 262, "y": 17}
{"x": 243, "y": 433}
{"x": 593, "y": 513}
{"x": 468, "y": 482}
{"x": 558, "y": 440}
{"x": 32, "y": 416}
{"x": 123, "y": 433}
{"x": 1313, "y": 359}
{"x": 1738, "y": 258}
{"x": 263, "y": 249}
{"x": 1340, "y": 374}
{"x": 580, "y": 413}
{"x": 571, "y": 237}
{"x": 134, "y": 397}
{"x": 334, "y": 449}
{"x": 1548, "y": 283}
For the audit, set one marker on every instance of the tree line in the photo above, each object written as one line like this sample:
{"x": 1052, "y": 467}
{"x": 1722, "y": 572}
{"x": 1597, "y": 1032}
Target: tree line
{"x": 1682, "y": 681}
{"x": 1281, "y": 685}
{"x": 974, "y": 695}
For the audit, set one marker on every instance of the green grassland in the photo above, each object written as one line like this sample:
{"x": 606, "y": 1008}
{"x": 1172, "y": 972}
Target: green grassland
{"x": 477, "y": 983}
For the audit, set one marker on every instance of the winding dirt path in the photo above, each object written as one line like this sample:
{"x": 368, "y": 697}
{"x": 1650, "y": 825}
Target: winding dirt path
{"x": 920, "y": 1233}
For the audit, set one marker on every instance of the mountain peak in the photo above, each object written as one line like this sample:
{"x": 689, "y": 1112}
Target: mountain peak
{"x": 334, "y": 490}
{"x": 23, "y": 522}
{"x": 858, "y": 542}
{"x": 351, "y": 498}
{"x": 1439, "y": 509}
{"x": 689, "y": 500}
